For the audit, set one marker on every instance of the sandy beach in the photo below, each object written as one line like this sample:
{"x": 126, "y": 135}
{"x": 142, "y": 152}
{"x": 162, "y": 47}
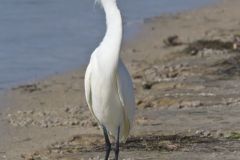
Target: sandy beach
{"x": 185, "y": 68}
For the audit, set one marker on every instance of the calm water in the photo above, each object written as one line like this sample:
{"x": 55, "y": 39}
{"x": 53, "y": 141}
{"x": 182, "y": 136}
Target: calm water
{"x": 42, "y": 37}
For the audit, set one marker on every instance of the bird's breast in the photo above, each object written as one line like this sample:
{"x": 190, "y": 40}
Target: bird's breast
{"x": 105, "y": 99}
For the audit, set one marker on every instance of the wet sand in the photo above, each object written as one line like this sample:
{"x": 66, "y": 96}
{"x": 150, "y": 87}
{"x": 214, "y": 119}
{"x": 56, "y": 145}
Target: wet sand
{"x": 186, "y": 79}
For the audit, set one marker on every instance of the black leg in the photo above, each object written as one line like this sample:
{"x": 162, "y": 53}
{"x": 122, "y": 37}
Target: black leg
{"x": 107, "y": 142}
{"x": 117, "y": 145}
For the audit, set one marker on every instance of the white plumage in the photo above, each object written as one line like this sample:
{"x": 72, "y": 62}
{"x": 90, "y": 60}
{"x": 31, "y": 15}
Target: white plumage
{"x": 110, "y": 97}
{"x": 108, "y": 85}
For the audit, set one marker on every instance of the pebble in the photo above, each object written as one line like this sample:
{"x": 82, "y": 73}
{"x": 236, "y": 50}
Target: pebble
{"x": 204, "y": 133}
{"x": 71, "y": 116}
{"x": 147, "y": 85}
{"x": 211, "y": 52}
{"x": 190, "y": 104}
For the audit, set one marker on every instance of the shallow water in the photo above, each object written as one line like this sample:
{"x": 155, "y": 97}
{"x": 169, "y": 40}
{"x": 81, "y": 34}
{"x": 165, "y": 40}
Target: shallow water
{"x": 43, "y": 37}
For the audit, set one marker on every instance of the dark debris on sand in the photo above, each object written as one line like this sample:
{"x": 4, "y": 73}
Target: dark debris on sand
{"x": 196, "y": 46}
{"x": 159, "y": 143}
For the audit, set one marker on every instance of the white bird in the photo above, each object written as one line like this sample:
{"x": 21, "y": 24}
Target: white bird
{"x": 108, "y": 85}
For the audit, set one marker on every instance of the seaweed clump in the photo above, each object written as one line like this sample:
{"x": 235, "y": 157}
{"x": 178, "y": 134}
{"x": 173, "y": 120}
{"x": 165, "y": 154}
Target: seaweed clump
{"x": 199, "y": 45}
{"x": 229, "y": 67}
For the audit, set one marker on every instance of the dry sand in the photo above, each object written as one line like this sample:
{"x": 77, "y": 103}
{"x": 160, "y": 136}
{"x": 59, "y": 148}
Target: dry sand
{"x": 186, "y": 77}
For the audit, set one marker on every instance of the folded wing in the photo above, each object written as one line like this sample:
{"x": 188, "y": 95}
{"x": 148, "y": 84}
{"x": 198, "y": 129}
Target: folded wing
{"x": 126, "y": 95}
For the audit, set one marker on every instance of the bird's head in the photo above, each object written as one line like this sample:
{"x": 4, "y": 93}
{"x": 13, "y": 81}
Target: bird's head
{"x": 104, "y": 1}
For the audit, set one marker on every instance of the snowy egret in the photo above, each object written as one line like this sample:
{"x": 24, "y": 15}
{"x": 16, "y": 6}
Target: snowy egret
{"x": 108, "y": 85}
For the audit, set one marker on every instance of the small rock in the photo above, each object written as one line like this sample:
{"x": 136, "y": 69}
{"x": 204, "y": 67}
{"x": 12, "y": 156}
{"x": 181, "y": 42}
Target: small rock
{"x": 94, "y": 124}
{"x": 74, "y": 122}
{"x": 190, "y": 104}
{"x": 67, "y": 109}
{"x": 148, "y": 105}
{"x": 137, "y": 76}
{"x": 172, "y": 41}
{"x": 142, "y": 120}
{"x": 44, "y": 125}
{"x": 139, "y": 102}
{"x": 199, "y": 132}
{"x": 134, "y": 50}
{"x": 146, "y": 85}
{"x": 207, "y": 134}
{"x": 30, "y": 112}
{"x": 219, "y": 134}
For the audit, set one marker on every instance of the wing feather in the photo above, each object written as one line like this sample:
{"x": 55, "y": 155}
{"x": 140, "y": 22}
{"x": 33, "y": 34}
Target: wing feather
{"x": 87, "y": 84}
{"x": 88, "y": 89}
{"x": 125, "y": 91}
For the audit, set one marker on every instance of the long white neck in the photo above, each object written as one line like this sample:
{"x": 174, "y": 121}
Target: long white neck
{"x": 111, "y": 43}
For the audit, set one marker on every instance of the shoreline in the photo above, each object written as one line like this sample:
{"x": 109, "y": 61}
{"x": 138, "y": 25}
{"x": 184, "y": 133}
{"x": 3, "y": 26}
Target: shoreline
{"x": 130, "y": 38}
{"x": 169, "y": 83}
